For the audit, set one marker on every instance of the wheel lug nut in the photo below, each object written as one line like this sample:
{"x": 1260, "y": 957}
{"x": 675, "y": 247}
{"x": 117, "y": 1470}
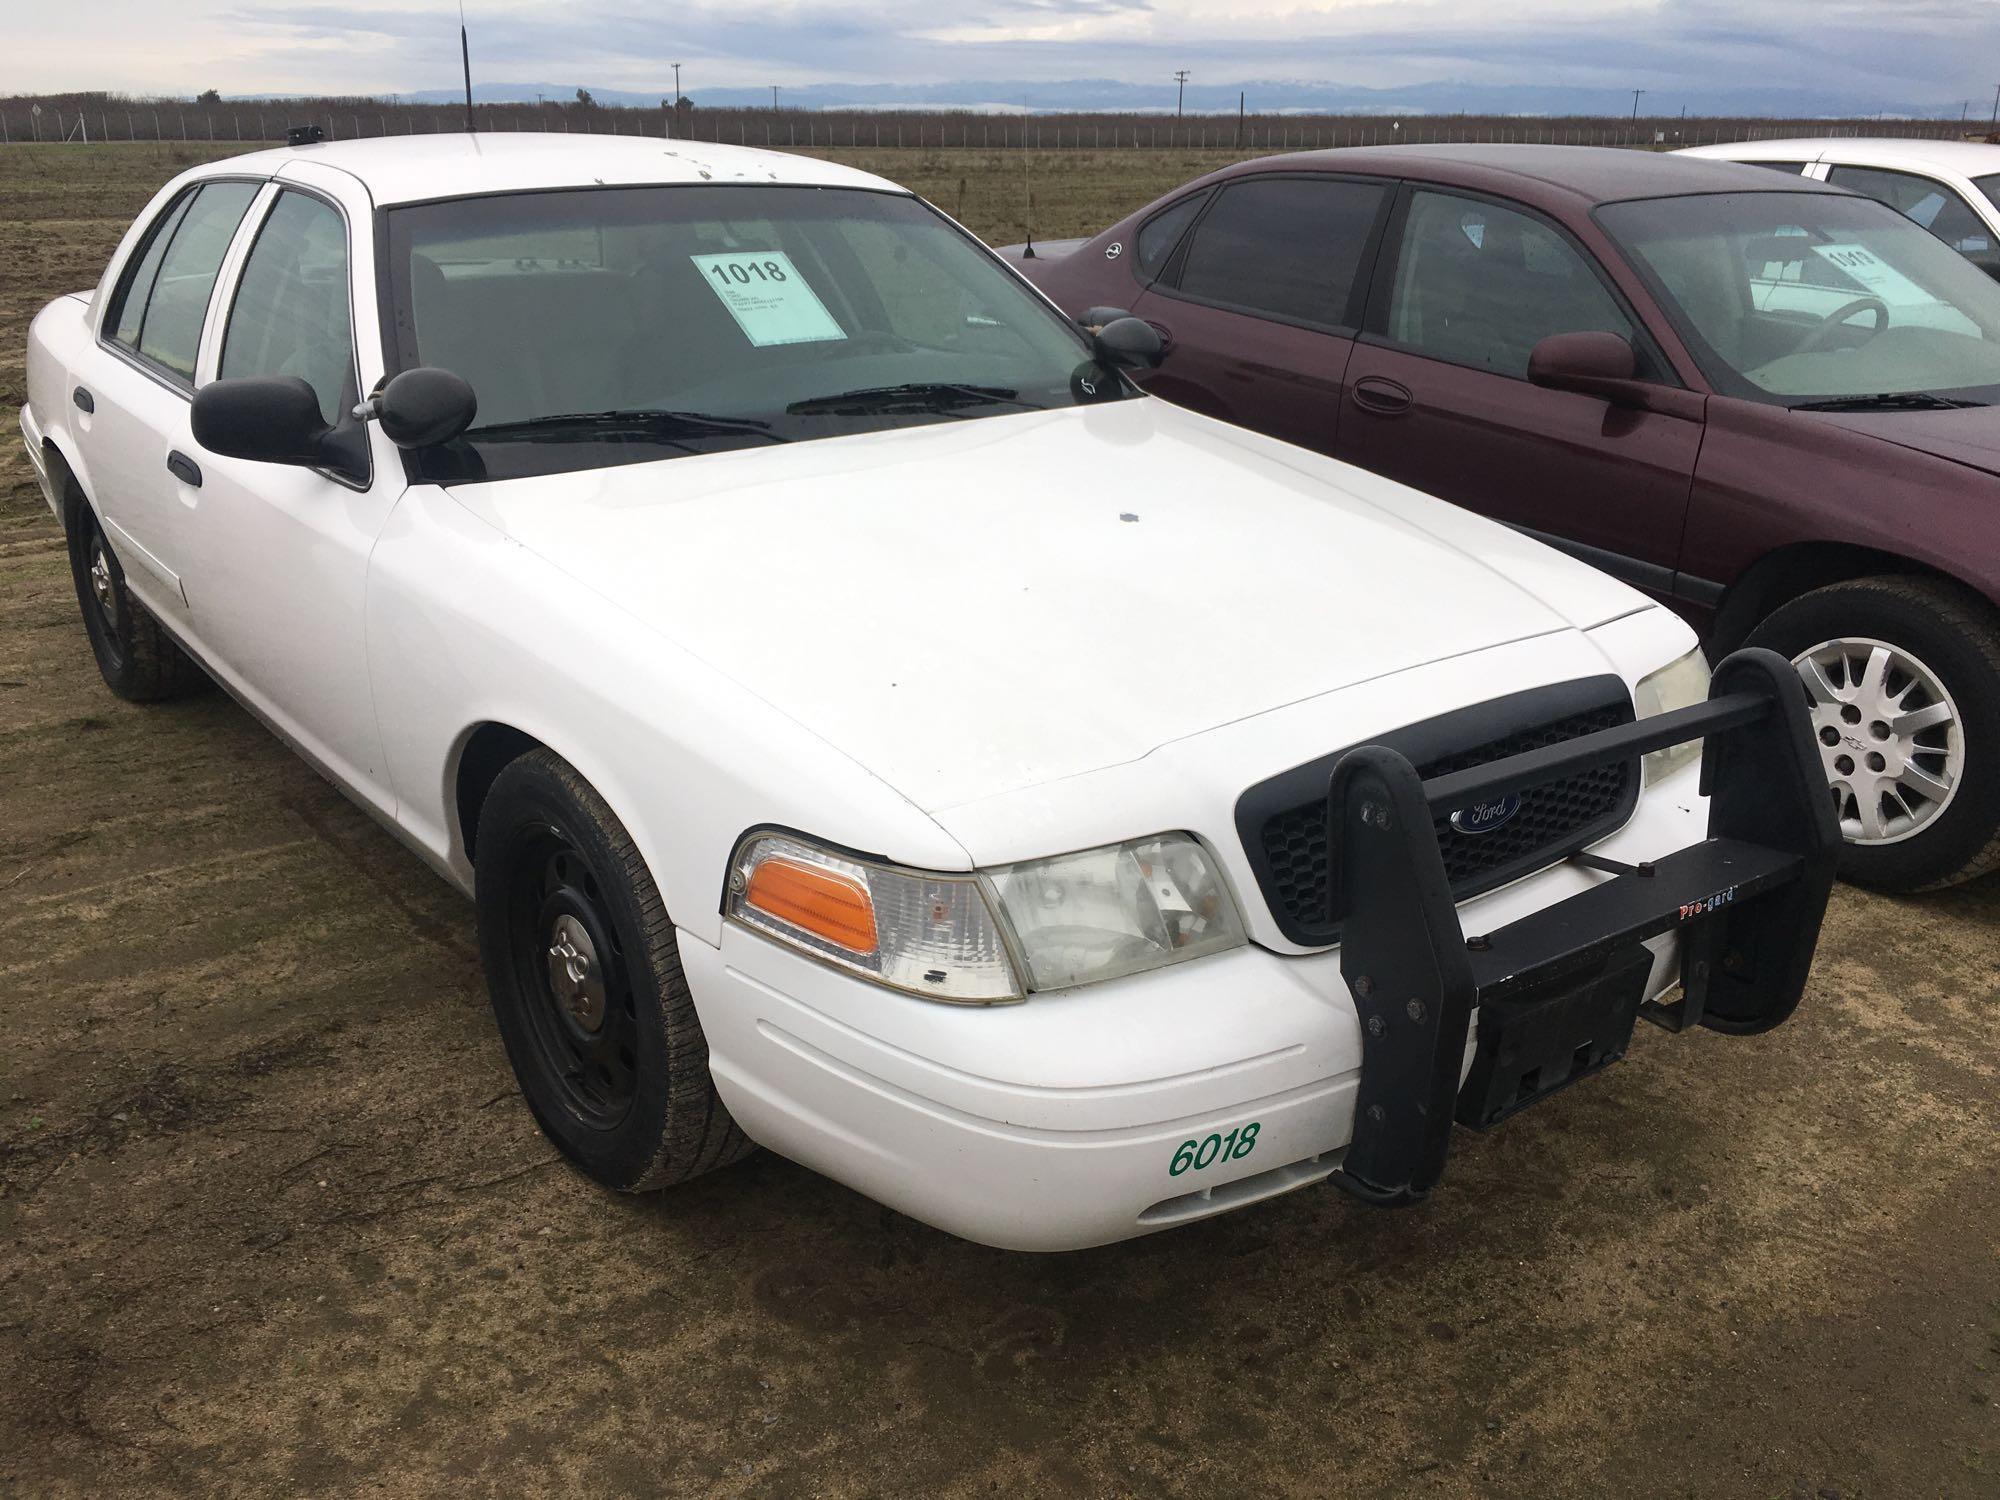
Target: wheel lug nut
{"x": 1850, "y": 713}
{"x": 1829, "y": 736}
{"x": 1845, "y": 765}
{"x": 1875, "y": 761}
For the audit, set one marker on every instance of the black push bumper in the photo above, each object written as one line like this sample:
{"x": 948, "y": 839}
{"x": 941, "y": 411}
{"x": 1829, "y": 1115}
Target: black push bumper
{"x": 1557, "y": 992}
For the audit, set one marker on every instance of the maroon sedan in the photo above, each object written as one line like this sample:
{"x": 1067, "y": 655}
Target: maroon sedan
{"x": 1762, "y": 400}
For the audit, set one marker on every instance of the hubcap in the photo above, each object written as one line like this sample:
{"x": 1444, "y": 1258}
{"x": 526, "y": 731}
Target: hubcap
{"x": 574, "y": 975}
{"x": 582, "y": 1015}
{"x": 1888, "y": 734}
{"x": 102, "y": 585}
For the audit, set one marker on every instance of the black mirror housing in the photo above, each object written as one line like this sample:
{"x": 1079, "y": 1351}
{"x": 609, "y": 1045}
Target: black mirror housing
{"x": 424, "y": 407}
{"x": 273, "y": 419}
{"x": 1128, "y": 343}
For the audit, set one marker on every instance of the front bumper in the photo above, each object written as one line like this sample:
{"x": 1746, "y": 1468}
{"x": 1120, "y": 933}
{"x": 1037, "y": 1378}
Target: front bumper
{"x": 1085, "y": 1117}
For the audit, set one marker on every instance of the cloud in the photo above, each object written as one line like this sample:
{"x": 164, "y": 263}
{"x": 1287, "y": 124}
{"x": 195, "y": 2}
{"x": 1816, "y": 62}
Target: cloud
{"x": 1918, "y": 50}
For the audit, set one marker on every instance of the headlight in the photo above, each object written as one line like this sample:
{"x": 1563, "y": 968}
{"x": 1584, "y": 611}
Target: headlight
{"x": 1117, "y": 910}
{"x": 1071, "y": 920}
{"x": 1680, "y": 684}
{"x": 933, "y": 935}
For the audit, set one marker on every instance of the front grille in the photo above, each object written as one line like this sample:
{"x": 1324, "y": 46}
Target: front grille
{"x": 1283, "y": 821}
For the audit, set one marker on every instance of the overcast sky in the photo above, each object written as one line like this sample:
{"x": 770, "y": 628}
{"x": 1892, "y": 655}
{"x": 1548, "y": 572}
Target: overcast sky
{"x": 1918, "y": 50}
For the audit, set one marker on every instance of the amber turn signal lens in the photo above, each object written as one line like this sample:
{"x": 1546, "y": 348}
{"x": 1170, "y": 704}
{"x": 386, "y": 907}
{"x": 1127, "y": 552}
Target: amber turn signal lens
{"x": 822, "y": 902}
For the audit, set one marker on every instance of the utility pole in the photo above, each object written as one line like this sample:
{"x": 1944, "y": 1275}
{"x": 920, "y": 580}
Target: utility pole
{"x": 1180, "y": 95}
{"x": 677, "y": 83}
{"x": 774, "y": 98}
{"x": 1635, "y": 105}
{"x": 1996, "y": 106}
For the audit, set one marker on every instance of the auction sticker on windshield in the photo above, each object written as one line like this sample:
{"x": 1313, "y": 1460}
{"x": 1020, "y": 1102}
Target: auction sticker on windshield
{"x": 1864, "y": 266}
{"x": 768, "y": 297}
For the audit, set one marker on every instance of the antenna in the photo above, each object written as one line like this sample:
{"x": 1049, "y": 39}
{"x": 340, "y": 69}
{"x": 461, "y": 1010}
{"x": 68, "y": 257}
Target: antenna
{"x": 1028, "y": 182}
{"x": 465, "y": 57}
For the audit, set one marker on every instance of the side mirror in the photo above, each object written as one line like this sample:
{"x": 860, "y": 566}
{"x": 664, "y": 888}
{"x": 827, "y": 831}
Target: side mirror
{"x": 272, "y": 419}
{"x": 1094, "y": 318}
{"x": 1128, "y": 343}
{"x": 423, "y": 407}
{"x": 1591, "y": 364}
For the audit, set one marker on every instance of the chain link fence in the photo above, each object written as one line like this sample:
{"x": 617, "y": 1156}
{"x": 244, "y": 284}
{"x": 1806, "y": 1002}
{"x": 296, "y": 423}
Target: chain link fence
{"x": 30, "y": 121}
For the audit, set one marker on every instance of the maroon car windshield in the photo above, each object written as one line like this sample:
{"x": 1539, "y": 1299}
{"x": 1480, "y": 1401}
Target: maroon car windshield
{"x": 1807, "y": 298}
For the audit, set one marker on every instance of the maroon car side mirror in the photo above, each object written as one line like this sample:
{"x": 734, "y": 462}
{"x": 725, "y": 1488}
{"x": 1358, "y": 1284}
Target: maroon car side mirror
{"x": 1591, "y": 364}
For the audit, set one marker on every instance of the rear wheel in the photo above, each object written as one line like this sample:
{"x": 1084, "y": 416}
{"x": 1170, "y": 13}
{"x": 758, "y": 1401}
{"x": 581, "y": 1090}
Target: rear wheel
{"x": 587, "y": 987}
{"x": 1904, "y": 679}
{"x": 138, "y": 660}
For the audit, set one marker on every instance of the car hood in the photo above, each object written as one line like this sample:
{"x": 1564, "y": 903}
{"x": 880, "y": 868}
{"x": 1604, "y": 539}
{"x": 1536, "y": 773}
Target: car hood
{"x": 973, "y": 607}
{"x": 1969, "y": 435}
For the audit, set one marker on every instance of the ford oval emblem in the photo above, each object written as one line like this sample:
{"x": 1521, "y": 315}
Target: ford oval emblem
{"x": 1484, "y": 817}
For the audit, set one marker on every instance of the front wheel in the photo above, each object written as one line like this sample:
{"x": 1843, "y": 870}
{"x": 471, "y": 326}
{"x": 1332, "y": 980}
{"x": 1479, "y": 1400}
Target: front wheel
{"x": 587, "y": 987}
{"x": 1904, "y": 679}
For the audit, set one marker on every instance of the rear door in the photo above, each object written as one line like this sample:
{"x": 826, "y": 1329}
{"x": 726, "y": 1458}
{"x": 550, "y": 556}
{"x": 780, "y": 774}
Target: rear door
{"x": 1438, "y": 394}
{"x": 1260, "y": 301}
{"x": 133, "y": 407}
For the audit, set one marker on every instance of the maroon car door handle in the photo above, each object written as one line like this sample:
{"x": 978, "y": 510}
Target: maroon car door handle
{"x": 1374, "y": 393}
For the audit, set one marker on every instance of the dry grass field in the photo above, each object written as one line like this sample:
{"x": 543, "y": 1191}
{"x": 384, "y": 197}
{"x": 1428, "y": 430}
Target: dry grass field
{"x": 273, "y": 1220}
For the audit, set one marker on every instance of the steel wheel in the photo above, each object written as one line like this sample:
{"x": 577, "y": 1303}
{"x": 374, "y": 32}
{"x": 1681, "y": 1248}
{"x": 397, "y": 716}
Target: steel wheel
{"x": 1889, "y": 736}
{"x": 582, "y": 1020}
{"x": 107, "y": 593}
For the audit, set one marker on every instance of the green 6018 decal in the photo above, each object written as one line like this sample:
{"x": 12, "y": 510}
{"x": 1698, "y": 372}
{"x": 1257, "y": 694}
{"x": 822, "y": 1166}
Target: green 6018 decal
{"x": 1206, "y": 1152}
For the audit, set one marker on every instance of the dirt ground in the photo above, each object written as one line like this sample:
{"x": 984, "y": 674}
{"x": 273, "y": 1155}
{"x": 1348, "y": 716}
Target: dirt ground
{"x": 272, "y": 1219}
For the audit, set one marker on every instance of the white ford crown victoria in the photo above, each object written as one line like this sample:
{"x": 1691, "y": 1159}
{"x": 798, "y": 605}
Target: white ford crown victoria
{"x": 871, "y": 728}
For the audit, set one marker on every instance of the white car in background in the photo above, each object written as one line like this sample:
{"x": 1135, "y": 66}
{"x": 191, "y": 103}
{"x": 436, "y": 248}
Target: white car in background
{"x": 1952, "y": 188}
{"x": 871, "y": 727}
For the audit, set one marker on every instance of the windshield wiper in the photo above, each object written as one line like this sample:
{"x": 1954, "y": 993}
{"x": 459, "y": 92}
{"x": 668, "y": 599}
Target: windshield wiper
{"x": 922, "y": 395}
{"x": 1888, "y": 401}
{"x": 654, "y": 423}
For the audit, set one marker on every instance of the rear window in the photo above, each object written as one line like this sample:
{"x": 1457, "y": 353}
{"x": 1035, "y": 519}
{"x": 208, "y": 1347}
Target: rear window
{"x": 164, "y": 299}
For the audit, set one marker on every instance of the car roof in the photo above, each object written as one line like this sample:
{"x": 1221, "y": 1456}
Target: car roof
{"x": 411, "y": 169}
{"x": 1575, "y": 175}
{"x": 1972, "y": 158}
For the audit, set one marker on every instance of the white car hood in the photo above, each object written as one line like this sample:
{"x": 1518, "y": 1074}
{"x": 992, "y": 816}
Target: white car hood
{"x": 974, "y": 607}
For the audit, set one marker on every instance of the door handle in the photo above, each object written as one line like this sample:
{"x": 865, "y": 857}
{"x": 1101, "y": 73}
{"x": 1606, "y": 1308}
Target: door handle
{"x": 183, "y": 468}
{"x": 82, "y": 400}
{"x": 1386, "y": 397}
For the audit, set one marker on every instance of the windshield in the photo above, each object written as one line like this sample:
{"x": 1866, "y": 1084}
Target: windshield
{"x": 1814, "y": 297}
{"x": 620, "y": 325}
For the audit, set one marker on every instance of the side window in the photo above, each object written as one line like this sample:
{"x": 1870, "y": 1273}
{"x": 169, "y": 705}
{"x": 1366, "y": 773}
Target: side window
{"x": 1481, "y": 285}
{"x": 1286, "y": 247}
{"x": 128, "y": 303}
{"x": 161, "y": 318}
{"x": 1159, "y": 235}
{"x": 1931, "y": 204}
{"x": 290, "y": 316}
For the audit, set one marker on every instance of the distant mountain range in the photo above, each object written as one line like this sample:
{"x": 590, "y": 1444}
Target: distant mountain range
{"x": 1269, "y": 96}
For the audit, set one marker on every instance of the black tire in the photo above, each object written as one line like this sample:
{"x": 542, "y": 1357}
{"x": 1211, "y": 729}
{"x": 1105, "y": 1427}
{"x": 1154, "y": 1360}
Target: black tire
{"x": 138, "y": 660}
{"x": 619, "y": 1083}
{"x": 1956, "y": 635}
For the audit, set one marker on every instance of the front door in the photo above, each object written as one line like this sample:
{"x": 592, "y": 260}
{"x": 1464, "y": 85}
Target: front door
{"x": 278, "y": 584}
{"x": 1258, "y": 306}
{"x": 1438, "y": 395}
